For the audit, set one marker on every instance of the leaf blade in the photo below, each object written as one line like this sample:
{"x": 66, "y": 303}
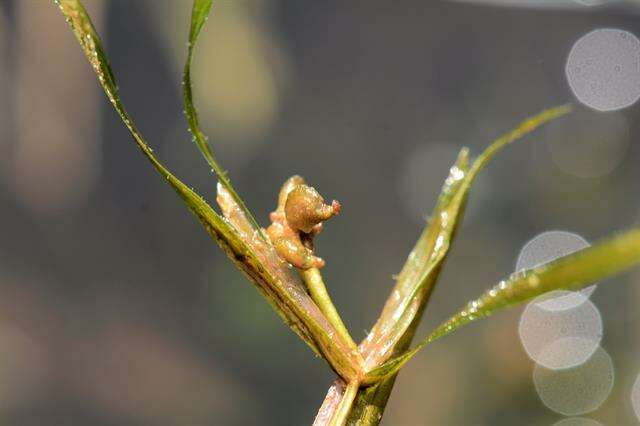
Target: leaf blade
{"x": 420, "y": 273}
{"x": 571, "y": 272}
{"x": 82, "y": 27}
{"x": 287, "y": 297}
{"x": 199, "y": 15}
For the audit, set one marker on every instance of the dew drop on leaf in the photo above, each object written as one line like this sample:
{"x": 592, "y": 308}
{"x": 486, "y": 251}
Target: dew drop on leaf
{"x": 545, "y": 248}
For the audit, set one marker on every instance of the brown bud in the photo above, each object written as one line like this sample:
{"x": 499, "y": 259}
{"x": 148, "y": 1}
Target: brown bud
{"x": 305, "y": 208}
{"x": 296, "y": 220}
{"x": 287, "y": 187}
{"x": 294, "y": 252}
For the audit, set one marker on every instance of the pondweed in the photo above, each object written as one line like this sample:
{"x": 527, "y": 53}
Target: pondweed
{"x": 281, "y": 262}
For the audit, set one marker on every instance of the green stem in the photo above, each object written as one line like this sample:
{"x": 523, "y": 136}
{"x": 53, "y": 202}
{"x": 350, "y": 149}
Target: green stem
{"x": 370, "y": 402}
{"x": 343, "y": 410}
{"x": 319, "y": 294}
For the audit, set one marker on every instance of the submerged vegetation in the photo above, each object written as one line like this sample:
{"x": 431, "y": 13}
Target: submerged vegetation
{"x": 283, "y": 266}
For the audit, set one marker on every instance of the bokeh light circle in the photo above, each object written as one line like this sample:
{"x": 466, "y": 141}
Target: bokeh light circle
{"x": 545, "y": 248}
{"x": 587, "y": 143}
{"x": 635, "y": 397}
{"x": 560, "y": 339}
{"x": 591, "y": 3}
{"x": 579, "y": 390}
{"x": 577, "y": 421}
{"x": 603, "y": 69}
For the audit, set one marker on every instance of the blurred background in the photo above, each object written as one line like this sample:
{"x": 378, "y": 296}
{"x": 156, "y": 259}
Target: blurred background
{"x": 117, "y": 309}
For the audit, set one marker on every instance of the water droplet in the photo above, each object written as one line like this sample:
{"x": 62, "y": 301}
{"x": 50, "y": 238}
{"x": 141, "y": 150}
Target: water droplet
{"x": 545, "y": 248}
{"x": 424, "y": 170}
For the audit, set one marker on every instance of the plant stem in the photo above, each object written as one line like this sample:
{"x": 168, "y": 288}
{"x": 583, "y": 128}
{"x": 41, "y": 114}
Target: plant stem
{"x": 319, "y": 294}
{"x": 370, "y": 402}
{"x": 344, "y": 408}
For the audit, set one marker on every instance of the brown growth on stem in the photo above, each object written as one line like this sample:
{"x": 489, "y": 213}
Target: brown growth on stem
{"x": 297, "y": 219}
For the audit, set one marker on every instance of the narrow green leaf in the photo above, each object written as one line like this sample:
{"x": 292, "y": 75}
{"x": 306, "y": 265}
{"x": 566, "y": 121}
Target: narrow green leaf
{"x": 571, "y": 272}
{"x": 420, "y": 273}
{"x": 284, "y": 292}
{"x": 84, "y": 31}
{"x": 401, "y": 317}
{"x": 199, "y": 16}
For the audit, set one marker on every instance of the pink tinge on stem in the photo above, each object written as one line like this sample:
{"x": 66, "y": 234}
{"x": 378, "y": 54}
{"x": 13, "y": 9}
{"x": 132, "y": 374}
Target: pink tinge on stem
{"x": 330, "y": 403}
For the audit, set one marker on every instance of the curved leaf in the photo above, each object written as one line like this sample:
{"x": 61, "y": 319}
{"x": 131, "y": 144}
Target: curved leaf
{"x": 199, "y": 16}
{"x": 284, "y": 292}
{"x": 420, "y": 273}
{"x": 571, "y": 272}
